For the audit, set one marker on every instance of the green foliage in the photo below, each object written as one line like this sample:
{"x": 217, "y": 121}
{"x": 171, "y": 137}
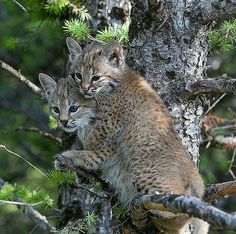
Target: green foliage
{"x": 7, "y": 192}
{"x": 55, "y": 6}
{"x": 25, "y": 194}
{"x": 119, "y": 211}
{"x": 77, "y": 29}
{"x": 120, "y": 34}
{"x": 223, "y": 39}
{"x": 80, "y": 226}
{"x": 90, "y": 218}
{"x": 52, "y": 122}
{"x": 61, "y": 178}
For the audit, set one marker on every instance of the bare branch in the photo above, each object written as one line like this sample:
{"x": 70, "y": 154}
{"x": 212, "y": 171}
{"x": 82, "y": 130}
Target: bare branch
{"x": 212, "y": 85}
{"x": 212, "y": 10}
{"x": 2, "y": 202}
{"x": 34, "y": 215}
{"x": 215, "y": 191}
{"x": 39, "y": 219}
{"x": 226, "y": 140}
{"x": 21, "y": 78}
{"x": 19, "y": 156}
{"x": 37, "y": 130}
{"x": 22, "y": 7}
{"x": 192, "y": 206}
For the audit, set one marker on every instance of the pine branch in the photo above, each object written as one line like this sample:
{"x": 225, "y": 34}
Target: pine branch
{"x": 215, "y": 191}
{"x": 212, "y": 85}
{"x": 192, "y": 206}
{"x": 49, "y": 135}
{"x": 39, "y": 219}
{"x": 21, "y": 78}
{"x": 211, "y": 10}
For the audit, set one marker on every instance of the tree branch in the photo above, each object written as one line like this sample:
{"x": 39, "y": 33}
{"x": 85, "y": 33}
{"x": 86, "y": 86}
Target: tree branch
{"x": 49, "y": 135}
{"x": 192, "y": 206}
{"x": 21, "y": 78}
{"x": 215, "y": 191}
{"x": 211, "y": 10}
{"x": 211, "y": 85}
{"x": 40, "y": 220}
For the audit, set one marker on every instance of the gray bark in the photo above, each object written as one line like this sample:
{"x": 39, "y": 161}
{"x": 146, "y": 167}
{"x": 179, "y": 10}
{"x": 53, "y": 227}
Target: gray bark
{"x": 107, "y": 13}
{"x": 169, "y": 48}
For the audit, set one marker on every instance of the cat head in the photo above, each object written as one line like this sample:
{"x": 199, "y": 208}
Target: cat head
{"x": 71, "y": 109}
{"x": 96, "y": 68}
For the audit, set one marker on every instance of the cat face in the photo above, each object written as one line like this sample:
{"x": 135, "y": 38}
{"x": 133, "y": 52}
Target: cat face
{"x": 67, "y": 105}
{"x": 96, "y": 68}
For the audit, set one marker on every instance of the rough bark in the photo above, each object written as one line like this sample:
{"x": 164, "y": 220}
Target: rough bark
{"x": 192, "y": 206}
{"x": 107, "y": 13}
{"x": 169, "y": 46}
{"x": 210, "y": 10}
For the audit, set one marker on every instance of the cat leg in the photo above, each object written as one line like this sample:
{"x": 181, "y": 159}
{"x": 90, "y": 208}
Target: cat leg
{"x": 87, "y": 159}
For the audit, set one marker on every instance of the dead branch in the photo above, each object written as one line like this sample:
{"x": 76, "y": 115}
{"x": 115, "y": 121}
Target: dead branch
{"x": 49, "y": 135}
{"x": 192, "y": 206}
{"x": 21, "y": 78}
{"x": 39, "y": 219}
{"x": 215, "y": 191}
{"x": 226, "y": 140}
{"x": 212, "y": 85}
{"x": 211, "y": 10}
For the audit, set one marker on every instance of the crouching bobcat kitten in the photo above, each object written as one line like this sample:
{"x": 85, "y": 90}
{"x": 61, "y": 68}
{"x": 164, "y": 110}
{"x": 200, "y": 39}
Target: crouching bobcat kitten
{"x": 132, "y": 139}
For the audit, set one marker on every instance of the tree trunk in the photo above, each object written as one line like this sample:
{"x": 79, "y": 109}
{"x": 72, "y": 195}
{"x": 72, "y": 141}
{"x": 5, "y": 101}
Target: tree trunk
{"x": 168, "y": 46}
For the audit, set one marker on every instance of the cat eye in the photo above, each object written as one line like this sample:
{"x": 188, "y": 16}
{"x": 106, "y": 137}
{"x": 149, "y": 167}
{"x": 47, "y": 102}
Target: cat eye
{"x": 73, "y": 108}
{"x": 96, "y": 78}
{"x": 78, "y": 75}
{"x": 56, "y": 109}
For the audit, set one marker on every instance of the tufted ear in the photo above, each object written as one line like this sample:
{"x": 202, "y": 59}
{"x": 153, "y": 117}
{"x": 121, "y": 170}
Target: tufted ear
{"x": 48, "y": 84}
{"x": 113, "y": 51}
{"x": 73, "y": 47}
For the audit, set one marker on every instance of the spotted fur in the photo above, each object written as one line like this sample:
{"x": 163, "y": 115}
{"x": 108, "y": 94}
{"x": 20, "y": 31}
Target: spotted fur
{"x": 133, "y": 141}
{"x": 81, "y": 66}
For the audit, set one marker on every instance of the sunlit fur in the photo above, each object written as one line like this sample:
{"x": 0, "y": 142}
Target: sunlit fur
{"x": 83, "y": 62}
{"x": 63, "y": 95}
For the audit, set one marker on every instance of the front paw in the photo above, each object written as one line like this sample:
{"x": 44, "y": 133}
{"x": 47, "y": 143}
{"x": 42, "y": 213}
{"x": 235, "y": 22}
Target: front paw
{"x": 63, "y": 163}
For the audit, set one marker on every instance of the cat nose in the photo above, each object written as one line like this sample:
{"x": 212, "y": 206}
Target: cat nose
{"x": 64, "y": 122}
{"x": 85, "y": 90}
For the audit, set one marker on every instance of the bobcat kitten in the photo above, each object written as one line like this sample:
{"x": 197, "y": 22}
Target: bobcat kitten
{"x": 132, "y": 141}
{"x": 81, "y": 67}
{"x": 66, "y": 106}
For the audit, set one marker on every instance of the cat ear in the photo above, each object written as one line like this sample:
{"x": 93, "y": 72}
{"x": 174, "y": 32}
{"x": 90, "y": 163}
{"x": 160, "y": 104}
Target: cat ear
{"x": 114, "y": 52}
{"x": 48, "y": 84}
{"x": 73, "y": 47}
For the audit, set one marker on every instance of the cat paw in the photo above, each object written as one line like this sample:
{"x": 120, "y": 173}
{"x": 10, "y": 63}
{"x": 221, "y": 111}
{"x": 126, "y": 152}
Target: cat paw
{"x": 63, "y": 163}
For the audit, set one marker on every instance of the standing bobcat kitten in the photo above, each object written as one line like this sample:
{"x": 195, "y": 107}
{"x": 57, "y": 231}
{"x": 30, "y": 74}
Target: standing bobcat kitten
{"x": 132, "y": 141}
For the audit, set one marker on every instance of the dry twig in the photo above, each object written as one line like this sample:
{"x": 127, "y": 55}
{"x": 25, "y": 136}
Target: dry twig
{"x": 21, "y": 78}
